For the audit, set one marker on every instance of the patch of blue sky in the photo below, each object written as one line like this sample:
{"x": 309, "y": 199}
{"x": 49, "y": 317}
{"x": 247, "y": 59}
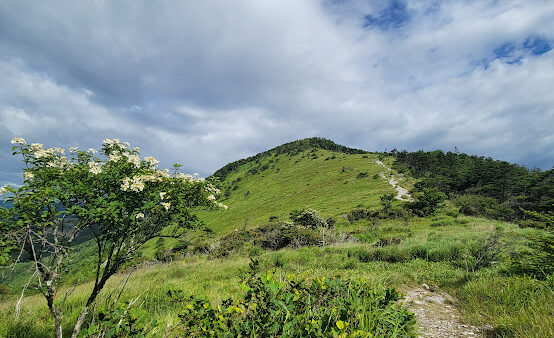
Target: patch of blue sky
{"x": 537, "y": 45}
{"x": 393, "y": 16}
{"x": 513, "y": 53}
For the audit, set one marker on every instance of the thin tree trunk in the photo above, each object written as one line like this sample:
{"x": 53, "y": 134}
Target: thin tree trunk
{"x": 55, "y": 314}
{"x": 80, "y": 321}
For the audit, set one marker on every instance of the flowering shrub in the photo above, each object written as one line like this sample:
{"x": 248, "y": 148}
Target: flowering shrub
{"x": 123, "y": 200}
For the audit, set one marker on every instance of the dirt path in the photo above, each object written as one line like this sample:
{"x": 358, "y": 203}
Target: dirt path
{"x": 402, "y": 193}
{"x": 436, "y": 314}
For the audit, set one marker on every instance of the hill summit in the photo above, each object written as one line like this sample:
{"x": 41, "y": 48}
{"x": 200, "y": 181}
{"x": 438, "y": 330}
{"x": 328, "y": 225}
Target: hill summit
{"x": 290, "y": 148}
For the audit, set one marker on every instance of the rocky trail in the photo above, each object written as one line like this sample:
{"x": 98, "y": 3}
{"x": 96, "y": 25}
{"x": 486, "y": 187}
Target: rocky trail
{"x": 402, "y": 193}
{"x": 437, "y": 315}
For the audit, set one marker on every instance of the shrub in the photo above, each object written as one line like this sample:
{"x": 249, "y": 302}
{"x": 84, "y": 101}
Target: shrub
{"x": 309, "y": 219}
{"x": 427, "y": 202}
{"x": 277, "y": 236}
{"x": 361, "y": 213}
{"x": 537, "y": 260}
{"x": 362, "y": 175}
{"x": 272, "y": 307}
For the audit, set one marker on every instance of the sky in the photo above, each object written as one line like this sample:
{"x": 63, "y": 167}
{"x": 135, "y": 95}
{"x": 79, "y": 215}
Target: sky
{"x": 204, "y": 83}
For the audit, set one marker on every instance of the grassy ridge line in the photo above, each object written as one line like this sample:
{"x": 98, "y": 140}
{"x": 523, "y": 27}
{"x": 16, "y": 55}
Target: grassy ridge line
{"x": 290, "y": 148}
{"x": 331, "y": 182}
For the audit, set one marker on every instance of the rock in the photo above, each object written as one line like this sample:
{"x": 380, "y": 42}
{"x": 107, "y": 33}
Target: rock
{"x": 425, "y": 286}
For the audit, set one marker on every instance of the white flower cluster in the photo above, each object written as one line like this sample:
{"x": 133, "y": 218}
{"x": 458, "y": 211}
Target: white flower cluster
{"x": 115, "y": 156}
{"x": 18, "y": 140}
{"x": 3, "y": 190}
{"x": 151, "y": 161}
{"x": 28, "y": 176}
{"x": 95, "y": 168}
{"x": 139, "y": 216}
{"x": 73, "y": 149}
{"x": 112, "y": 142}
{"x": 134, "y": 159}
{"x": 135, "y": 184}
{"x": 166, "y": 205}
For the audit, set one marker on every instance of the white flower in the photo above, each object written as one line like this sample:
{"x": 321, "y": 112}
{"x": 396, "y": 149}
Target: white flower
{"x": 60, "y": 150}
{"x": 126, "y": 184}
{"x": 211, "y": 198}
{"x": 41, "y": 153}
{"x": 92, "y": 150}
{"x": 116, "y": 141}
{"x": 134, "y": 159}
{"x": 185, "y": 177}
{"x": 166, "y": 205}
{"x": 95, "y": 168}
{"x": 164, "y": 173}
{"x": 115, "y": 157}
{"x": 3, "y": 190}
{"x": 201, "y": 179}
{"x": 138, "y": 184}
{"x": 195, "y": 175}
{"x": 151, "y": 161}
{"x": 36, "y": 146}
{"x": 73, "y": 149}
{"x": 51, "y": 164}
{"x": 107, "y": 141}
{"x": 138, "y": 216}
{"x": 221, "y": 205}
{"x": 136, "y": 149}
{"x": 29, "y": 176}
{"x": 18, "y": 140}
{"x": 162, "y": 195}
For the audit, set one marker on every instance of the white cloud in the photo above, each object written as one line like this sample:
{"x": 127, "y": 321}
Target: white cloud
{"x": 210, "y": 82}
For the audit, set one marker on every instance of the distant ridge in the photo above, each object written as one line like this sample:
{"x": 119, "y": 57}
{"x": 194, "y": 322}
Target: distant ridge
{"x": 291, "y": 148}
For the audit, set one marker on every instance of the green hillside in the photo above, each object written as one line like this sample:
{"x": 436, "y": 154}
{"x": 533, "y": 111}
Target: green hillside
{"x": 498, "y": 274}
{"x": 332, "y": 182}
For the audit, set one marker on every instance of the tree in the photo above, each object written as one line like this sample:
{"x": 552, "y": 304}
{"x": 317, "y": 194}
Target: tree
{"x": 123, "y": 200}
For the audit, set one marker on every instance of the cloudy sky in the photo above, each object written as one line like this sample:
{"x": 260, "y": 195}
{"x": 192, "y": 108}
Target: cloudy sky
{"x": 204, "y": 83}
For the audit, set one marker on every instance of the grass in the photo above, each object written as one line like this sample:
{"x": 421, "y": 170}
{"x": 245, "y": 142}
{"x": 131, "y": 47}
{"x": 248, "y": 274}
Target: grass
{"x": 446, "y": 250}
{"x": 322, "y": 180}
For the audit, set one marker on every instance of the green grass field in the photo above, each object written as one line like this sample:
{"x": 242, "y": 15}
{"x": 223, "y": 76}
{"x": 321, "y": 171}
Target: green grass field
{"x": 446, "y": 250}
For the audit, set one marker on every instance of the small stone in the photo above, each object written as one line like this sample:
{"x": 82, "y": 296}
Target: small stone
{"x": 425, "y": 286}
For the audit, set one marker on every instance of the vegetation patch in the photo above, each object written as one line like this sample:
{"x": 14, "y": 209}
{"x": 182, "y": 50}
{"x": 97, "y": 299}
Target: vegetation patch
{"x": 272, "y": 306}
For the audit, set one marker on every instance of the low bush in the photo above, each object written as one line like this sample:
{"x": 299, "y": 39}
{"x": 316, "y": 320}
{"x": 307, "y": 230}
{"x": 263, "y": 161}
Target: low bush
{"x": 308, "y": 218}
{"x": 361, "y": 213}
{"x": 288, "y": 307}
{"x": 426, "y": 202}
{"x": 537, "y": 259}
{"x": 475, "y": 205}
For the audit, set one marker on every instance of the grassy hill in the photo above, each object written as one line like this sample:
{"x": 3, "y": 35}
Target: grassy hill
{"x": 299, "y": 175}
{"x": 468, "y": 257}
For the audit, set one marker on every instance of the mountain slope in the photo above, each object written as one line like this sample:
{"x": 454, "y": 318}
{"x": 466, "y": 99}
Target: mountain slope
{"x": 310, "y": 173}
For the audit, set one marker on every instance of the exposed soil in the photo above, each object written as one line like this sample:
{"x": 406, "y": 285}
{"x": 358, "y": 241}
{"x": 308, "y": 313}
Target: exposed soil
{"x": 437, "y": 315}
{"x": 402, "y": 193}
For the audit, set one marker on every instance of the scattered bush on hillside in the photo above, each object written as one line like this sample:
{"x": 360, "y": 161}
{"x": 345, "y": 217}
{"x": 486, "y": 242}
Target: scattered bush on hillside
{"x": 361, "y": 213}
{"x": 537, "y": 260}
{"x": 426, "y": 202}
{"x": 277, "y": 236}
{"x": 272, "y": 236}
{"x": 475, "y": 205}
{"x": 362, "y": 175}
{"x": 309, "y": 218}
{"x": 289, "y": 307}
